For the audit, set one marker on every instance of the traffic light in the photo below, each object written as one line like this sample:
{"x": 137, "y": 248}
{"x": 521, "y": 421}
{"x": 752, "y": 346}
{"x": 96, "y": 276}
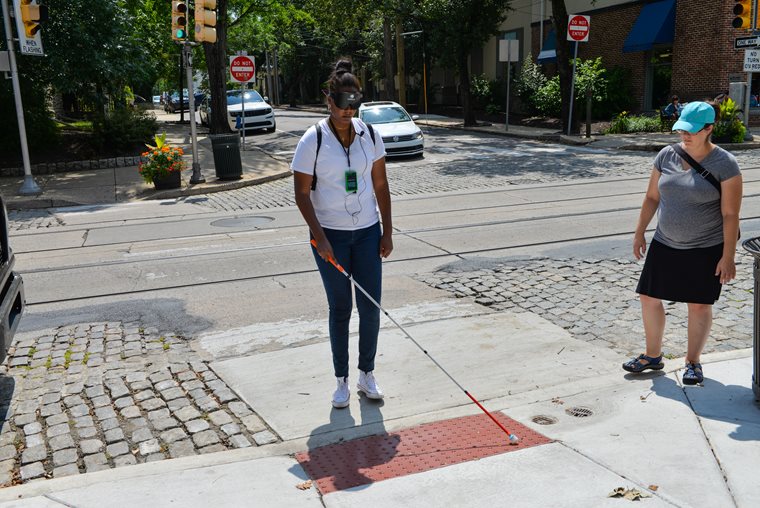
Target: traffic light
{"x": 32, "y": 14}
{"x": 179, "y": 20}
{"x": 205, "y": 21}
{"x": 743, "y": 15}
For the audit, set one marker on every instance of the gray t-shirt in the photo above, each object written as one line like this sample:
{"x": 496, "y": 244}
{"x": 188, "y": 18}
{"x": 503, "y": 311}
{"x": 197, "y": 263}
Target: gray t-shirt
{"x": 689, "y": 214}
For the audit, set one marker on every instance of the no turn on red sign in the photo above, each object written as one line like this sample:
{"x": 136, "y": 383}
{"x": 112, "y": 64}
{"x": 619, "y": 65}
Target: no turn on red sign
{"x": 578, "y": 27}
{"x": 242, "y": 68}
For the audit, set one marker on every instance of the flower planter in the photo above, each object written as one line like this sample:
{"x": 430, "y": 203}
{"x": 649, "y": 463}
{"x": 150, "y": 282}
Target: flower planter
{"x": 172, "y": 181}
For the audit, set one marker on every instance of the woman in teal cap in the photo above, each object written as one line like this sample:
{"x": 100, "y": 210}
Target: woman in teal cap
{"x": 692, "y": 252}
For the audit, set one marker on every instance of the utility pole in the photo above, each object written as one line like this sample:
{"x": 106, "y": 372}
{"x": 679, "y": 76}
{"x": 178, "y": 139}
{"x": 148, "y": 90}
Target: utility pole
{"x": 29, "y": 187}
{"x": 269, "y": 75}
{"x": 197, "y": 176}
{"x": 181, "y": 85}
{"x": 400, "y": 64}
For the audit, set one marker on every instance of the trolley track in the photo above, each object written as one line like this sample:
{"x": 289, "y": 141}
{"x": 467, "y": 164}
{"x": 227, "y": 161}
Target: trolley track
{"x": 138, "y": 263}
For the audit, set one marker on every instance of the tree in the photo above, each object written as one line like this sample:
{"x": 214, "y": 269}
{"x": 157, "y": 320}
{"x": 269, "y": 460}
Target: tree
{"x": 216, "y": 65}
{"x": 559, "y": 22}
{"x": 455, "y": 29}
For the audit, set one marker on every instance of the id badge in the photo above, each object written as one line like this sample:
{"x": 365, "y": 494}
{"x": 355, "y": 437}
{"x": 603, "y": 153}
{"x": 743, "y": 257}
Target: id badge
{"x": 351, "y": 182}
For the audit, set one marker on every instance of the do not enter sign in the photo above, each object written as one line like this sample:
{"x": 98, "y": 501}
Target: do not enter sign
{"x": 242, "y": 69}
{"x": 578, "y": 28}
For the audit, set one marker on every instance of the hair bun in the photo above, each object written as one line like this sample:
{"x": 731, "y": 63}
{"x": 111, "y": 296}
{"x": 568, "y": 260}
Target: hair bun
{"x": 342, "y": 67}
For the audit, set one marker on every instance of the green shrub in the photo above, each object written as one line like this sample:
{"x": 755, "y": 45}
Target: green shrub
{"x": 729, "y": 128}
{"x": 41, "y": 131}
{"x": 619, "y": 96}
{"x": 548, "y": 98}
{"x": 481, "y": 90}
{"x": 624, "y": 124}
{"x": 123, "y": 128}
{"x": 528, "y": 83}
{"x": 493, "y": 109}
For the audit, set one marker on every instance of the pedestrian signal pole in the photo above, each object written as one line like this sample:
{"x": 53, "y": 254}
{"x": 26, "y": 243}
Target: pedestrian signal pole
{"x": 29, "y": 187}
{"x": 197, "y": 176}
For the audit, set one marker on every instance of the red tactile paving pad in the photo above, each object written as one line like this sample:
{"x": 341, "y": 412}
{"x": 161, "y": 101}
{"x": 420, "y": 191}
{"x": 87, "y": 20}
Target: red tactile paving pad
{"x": 371, "y": 459}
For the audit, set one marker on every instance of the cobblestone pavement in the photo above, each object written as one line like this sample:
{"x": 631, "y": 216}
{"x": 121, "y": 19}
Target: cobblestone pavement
{"x": 20, "y": 220}
{"x": 95, "y": 396}
{"x": 448, "y": 170}
{"x": 479, "y": 163}
{"x": 595, "y": 300}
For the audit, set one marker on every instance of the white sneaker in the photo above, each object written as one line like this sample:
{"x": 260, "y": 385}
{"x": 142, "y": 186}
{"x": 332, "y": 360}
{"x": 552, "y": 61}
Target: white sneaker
{"x": 368, "y": 385}
{"x": 342, "y": 394}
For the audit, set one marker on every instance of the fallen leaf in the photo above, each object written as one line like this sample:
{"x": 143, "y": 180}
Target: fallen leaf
{"x": 618, "y": 492}
{"x": 305, "y": 485}
{"x": 557, "y": 400}
{"x": 630, "y": 494}
{"x": 653, "y": 488}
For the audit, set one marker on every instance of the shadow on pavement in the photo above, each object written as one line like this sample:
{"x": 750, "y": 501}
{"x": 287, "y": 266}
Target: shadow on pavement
{"x": 342, "y": 465}
{"x": 732, "y": 404}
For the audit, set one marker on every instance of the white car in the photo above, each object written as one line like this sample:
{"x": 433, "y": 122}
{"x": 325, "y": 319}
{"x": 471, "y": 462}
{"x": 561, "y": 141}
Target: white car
{"x": 258, "y": 114}
{"x": 398, "y": 130}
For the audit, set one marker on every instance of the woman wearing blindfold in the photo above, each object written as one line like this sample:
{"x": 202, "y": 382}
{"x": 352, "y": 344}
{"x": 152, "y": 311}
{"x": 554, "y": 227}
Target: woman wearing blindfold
{"x": 341, "y": 189}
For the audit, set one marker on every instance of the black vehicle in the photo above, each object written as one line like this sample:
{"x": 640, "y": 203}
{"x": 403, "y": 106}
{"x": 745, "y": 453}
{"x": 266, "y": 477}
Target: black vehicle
{"x": 173, "y": 103}
{"x": 12, "y": 295}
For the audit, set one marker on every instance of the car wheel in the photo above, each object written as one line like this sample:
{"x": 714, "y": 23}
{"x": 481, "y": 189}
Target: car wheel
{"x": 274, "y": 127}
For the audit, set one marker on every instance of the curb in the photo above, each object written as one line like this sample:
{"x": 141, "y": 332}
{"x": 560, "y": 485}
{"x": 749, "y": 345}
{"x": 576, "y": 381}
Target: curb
{"x": 207, "y": 187}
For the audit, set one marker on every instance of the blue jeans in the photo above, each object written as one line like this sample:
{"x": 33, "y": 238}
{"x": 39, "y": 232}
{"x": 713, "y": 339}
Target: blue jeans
{"x": 359, "y": 253}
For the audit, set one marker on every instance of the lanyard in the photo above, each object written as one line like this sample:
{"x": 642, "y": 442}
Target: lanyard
{"x": 347, "y": 151}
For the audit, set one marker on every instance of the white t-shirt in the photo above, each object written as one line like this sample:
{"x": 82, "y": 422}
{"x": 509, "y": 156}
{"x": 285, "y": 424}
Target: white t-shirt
{"x": 336, "y": 208}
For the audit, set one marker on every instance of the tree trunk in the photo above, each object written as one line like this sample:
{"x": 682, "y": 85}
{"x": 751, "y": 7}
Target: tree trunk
{"x": 295, "y": 80}
{"x": 559, "y": 22}
{"x": 464, "y": 89}
{"x": 388, "y": 86}
{"x": 217, "y": 63}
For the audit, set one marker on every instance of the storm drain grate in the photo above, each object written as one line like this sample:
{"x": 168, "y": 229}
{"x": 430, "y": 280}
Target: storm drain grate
{"x": 544, "y": 420}
{"x": 579, "y": 411}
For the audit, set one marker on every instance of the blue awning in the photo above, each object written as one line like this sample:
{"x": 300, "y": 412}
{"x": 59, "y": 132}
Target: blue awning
{"x": 549, "y": 52}
{"x": 655, "y": 25}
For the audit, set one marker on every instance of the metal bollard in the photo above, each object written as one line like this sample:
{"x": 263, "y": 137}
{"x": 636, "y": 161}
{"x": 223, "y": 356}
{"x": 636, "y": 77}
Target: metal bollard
{"x": 752, "y": 246}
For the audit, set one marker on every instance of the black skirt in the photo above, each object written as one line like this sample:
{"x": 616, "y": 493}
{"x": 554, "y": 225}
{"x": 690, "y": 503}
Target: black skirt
{"x": 681, "y": 275}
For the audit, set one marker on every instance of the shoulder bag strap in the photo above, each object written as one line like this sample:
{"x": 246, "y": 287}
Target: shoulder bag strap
{"x": 316, "y": 155}
{"x": 696, "y": 166}
{"x": 371, "y": 132}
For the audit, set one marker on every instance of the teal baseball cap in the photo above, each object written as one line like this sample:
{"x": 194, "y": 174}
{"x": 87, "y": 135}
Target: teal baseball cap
{"x": 694, "y": 116}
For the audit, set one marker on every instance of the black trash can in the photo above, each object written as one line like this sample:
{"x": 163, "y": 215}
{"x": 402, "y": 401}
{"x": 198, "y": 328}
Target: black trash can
{"x": 227, "y": 162}
{"x": 752, "y": 246}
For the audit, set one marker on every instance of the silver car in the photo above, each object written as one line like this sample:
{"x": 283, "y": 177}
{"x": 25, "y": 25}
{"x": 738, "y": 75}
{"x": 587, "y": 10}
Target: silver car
{"x": 398, "y": 130}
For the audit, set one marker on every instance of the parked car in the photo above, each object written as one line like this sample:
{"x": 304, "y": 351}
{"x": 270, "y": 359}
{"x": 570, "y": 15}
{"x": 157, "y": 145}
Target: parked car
{"x": 156, "y": 101}
{"x": 139, "y": 102}
{"x": 258, "y": 114}
{"x": 11, "y": 288}
{"x": 173, "y": 103}
{"x": 397, "y": 128}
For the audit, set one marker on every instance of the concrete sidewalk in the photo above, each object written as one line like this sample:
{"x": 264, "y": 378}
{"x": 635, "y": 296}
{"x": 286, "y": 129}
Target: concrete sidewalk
{"x": 676, "y": 445}
{"x": 123, "y": 184}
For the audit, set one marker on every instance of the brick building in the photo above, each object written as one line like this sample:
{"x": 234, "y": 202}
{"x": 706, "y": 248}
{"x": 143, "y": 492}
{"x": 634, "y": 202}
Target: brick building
{"x": 683, "y": 47}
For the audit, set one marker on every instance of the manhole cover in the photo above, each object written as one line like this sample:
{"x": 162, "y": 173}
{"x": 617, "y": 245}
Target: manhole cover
{"x": 579, "y": 412}
{"x": 241, "y": 222}
{"x": 544, "y": 420}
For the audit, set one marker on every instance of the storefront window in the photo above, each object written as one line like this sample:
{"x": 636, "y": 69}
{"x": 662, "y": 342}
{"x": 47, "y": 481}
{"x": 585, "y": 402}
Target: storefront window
{"x": 659, "y": 73}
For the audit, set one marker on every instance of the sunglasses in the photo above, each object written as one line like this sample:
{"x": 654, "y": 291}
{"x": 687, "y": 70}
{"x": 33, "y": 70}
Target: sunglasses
{"x": 687, "y": 133}
{"x": 345, "y": 100}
